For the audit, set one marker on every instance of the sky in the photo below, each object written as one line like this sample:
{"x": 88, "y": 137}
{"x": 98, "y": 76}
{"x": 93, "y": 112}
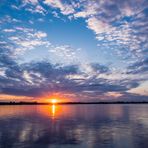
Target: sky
{"x": 73, "y": 50}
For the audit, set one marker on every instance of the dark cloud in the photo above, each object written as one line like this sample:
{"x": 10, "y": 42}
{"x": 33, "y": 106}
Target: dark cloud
{"x": 38, "y": 78}
{"x": 99, "y": 68}
{"x": 139, "y": 67}
{"x": 126, "y": 96}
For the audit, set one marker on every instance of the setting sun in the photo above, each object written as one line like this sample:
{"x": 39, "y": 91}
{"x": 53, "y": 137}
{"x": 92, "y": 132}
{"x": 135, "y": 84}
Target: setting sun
{"x": 53, "y": 101}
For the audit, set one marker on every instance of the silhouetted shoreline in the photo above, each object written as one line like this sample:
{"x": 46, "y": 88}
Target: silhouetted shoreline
{"x": 70, "y": 103}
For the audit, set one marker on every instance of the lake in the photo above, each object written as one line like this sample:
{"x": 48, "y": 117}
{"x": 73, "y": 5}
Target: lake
{"x": 74, "y": 126}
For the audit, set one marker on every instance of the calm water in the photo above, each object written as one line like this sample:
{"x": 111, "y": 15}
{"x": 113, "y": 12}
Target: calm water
{"x": 74, "y": 126}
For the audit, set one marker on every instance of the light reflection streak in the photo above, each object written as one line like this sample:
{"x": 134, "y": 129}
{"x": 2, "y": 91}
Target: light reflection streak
{"x": 53, "y": 110}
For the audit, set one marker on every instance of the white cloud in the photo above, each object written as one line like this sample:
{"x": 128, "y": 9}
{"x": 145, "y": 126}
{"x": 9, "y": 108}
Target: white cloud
{"x": 127, "y": 11}
{"x": 141, "y": 89}
{"x": 65, "y": 8}
{"x": 90, "y": 9}
{"x": 100, "y": 17}
{"x": 28, "y": 77}
{"x": 33, "y": 6}
{"x": 9, "y": 30}
{"x": 27, "y": 39}
{"x": 40, "y": 34}
{"x": 55, "y": 14}
{"x": 64, "y": 53}
{"x": 34, "y": 2}
{"x": 9, "y": 19}
{"x": 2, "y": 72}
{"x": 98, "y": 26}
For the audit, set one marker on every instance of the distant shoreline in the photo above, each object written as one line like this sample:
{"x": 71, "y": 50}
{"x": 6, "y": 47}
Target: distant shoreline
{"x": 68, "y": 103}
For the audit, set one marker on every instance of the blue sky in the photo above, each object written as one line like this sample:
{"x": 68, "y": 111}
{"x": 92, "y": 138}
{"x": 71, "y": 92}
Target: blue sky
{"x": 74, "y": 48}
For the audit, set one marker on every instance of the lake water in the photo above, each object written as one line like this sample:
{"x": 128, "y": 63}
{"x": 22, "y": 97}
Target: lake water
{"x": 74, "y": 126}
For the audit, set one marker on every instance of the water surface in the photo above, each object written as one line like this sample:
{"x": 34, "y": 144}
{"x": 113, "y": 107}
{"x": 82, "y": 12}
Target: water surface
{"x": 74, "y": 126}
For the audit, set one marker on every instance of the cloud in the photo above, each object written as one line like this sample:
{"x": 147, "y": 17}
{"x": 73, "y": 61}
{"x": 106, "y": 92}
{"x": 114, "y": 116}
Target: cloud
{"x": 119, "y": 28}
{"x": 32, "y": 6}
{"x": 8, "y": 19}
{"x": 97, "y": 26}
{"x": 65, "y": 8}
{"x": 34, "y": 2}
{"x": 36, "y": 79}
{"x": 40, "y": 34}
{"x": 119, "y": 25}
{"x": 139, "y": 67}
{"x": 9, "y": 30}
{"x": 37, "y": 9}
{"x": 65, "y": 53}
{"x": 39, "y": 78}
{"x": 90, "y": 8}
{"x": 27, "y": 39}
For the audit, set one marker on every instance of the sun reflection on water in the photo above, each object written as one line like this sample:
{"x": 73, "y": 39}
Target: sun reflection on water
{"x": 53, "y": 110}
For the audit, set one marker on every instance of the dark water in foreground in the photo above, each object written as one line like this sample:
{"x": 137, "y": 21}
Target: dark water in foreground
{"x": 74, "y": 126}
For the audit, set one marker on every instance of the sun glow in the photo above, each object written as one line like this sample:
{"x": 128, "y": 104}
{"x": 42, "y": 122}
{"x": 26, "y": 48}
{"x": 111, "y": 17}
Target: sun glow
{"x": 54, "y": 101}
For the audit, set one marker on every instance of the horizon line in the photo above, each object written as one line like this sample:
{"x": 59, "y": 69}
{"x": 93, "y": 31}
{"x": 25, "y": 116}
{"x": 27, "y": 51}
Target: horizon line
{"x": 62, "y": 103}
